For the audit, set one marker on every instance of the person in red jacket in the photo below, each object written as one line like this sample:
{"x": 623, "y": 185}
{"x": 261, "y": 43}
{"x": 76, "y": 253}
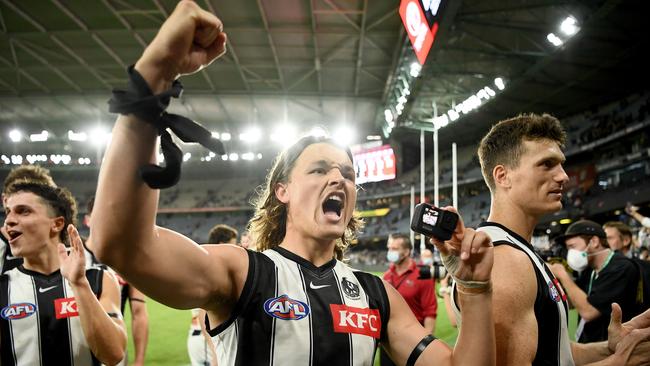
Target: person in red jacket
{"x": 403, "y": 275}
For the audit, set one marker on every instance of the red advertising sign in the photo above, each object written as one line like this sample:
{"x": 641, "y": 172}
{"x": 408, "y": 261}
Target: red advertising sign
{"x": 374, "y": 164}
{"x": 417, "y": 28}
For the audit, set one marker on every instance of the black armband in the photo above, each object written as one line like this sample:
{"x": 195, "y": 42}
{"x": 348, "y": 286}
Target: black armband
{"x": 115, "y": 315}
{"x": 419, "y": 349}
{"x": 140, "y": 101}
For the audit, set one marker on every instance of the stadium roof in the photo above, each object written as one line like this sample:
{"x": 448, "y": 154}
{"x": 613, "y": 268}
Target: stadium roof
{"x": 320, "y": 62}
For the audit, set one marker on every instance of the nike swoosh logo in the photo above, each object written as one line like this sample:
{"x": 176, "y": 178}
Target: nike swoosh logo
{"x": 316, "y": 287}
{"x": 41, "y": 290}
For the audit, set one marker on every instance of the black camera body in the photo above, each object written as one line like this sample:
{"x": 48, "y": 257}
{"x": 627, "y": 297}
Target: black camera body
{"x": 433, "y": 222}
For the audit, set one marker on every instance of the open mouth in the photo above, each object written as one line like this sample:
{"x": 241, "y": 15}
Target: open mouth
{"x": 13, "y": 235}
{"x": 333, "y": 205}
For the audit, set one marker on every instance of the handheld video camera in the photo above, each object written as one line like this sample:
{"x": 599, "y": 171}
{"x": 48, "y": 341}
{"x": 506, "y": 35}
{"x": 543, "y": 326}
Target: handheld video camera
{"x": 436, "y": 271}
{"x": 433, "y": 222}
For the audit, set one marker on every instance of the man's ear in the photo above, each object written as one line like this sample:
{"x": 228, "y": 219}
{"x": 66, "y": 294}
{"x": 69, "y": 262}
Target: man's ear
{"x": 282, "y": 192}
{"x": 500, "y": 175}
{"x": 58, "y": 225}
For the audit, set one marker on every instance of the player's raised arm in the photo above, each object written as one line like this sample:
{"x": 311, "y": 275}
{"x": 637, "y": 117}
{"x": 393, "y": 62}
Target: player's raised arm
{"x": 163, "y": 264}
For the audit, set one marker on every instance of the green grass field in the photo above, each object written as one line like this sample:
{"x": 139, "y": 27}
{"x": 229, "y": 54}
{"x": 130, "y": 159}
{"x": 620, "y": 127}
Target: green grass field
{"x": 168, "y": 330}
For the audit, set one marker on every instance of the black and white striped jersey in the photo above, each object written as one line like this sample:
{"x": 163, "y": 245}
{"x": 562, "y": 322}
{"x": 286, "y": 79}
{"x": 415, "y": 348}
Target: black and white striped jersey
{"x": 551, "y": 307}
{"x": 39, "y": 322}
{"x": 293, "y": 313}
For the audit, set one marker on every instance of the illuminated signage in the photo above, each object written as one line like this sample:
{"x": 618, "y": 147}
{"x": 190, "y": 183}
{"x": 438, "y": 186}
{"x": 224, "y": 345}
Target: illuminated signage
{"x": 374, "y": 164}
{"x": 420, "y": 26}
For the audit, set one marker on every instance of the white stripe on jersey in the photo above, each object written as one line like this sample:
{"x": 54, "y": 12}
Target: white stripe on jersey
{"x": 361, "y": 344}
{"x": 290, "y": 283}
{"x": 22, "y": 290}
{"x": 78, "y": 345}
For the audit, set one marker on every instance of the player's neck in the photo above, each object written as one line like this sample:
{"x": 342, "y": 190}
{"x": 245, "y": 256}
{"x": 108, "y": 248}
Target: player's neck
{"x": 45, "y": 262}
{"x": 513, "y": 217}
{"x": 318, "y": 252}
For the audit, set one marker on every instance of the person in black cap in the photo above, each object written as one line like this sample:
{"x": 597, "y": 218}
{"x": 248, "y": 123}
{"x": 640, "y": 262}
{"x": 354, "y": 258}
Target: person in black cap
{"x": 605, "y": 276}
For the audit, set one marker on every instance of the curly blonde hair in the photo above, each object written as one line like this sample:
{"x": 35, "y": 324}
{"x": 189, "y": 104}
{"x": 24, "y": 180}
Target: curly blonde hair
{"x": 268, "y": 224}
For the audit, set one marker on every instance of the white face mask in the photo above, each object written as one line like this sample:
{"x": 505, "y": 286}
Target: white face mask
{"x": 577, "y": 259}
{"x": 392, "y": 256}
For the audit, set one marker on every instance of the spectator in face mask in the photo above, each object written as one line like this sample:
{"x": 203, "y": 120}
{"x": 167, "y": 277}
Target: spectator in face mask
{"x": 404, "y": 275}
{"x": 426, "y": 258}
{"x": 605, "y": 276}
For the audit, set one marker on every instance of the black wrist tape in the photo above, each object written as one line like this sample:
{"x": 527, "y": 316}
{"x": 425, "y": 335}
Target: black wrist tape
{"x": 140, "y": 101}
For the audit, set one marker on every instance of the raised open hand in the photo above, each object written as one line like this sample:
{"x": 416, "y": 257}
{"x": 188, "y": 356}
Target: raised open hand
{"x": 73, "y": 264}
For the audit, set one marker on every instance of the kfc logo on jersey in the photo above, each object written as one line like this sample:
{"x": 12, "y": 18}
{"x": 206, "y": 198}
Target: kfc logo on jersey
{"x": 285, "y": 308}
{"x": 349, "y": 319}
{"x": 17, "y": 311}
{"x": 65, "y": 308}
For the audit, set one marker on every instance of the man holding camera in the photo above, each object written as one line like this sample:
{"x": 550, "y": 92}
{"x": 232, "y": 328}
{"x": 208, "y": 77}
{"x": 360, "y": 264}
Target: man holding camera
{"x": 404, "y": 275}
{"x": 605, "y": 277}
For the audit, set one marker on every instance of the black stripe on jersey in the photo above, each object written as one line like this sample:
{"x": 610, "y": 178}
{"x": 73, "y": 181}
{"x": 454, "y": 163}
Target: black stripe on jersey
{"x": 7, "y": 354}
{"x": 54, "y": 335}
{"x": 342, "y": 301}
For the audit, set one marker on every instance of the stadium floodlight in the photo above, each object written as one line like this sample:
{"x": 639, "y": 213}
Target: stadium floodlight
{"x": 388, "y": 115}
{"x": 233, "y": 157}
{"x": 77, "y": 136}
{"x": 259, "y": 156}
{"x": 248, "y": 156}
{"x": 224, "y": 157}
{"x": 554, "y": 40}
{"x": 5, "y": 159}
{"x": 318, "y": 131}
{"x": 500, "y": 84}
{"x": 284, "y": 134}
{"x": 569, "y": 26}
{"x": 98, "y": 136}
{"x": 489, "y": 91}
{"x": 373, "y": 137}
{"x": 225, "y": 136}
{"x": 415, "y": 69}
{"x": 187, "y": 156}
{"x": 65, "y": 159}
{"x": 215, "y": 135}
{"x": 211, "y": 155}
{"x": 15, "y": 135}
{"x": 39, "y": 137}
{"x": 16, "y": 159}
{"x": 253, "y": 134}
{"x": 440, "y": 121}
{"x": 344, "y": 135}
{"x": 453, "y": 115}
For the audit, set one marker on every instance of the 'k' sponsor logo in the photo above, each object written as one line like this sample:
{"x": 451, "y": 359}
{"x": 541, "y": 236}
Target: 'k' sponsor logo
{"x": 65, "y": 308}
{"x": 349, "y": 319}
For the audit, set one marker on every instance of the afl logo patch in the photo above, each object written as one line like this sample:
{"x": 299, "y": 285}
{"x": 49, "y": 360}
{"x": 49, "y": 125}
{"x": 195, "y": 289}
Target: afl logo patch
{"x": 555, "y": 291}
{"x": 18, "y": 311}
{"x": 350, "y": 289}
{"x": 285, "y": 308}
